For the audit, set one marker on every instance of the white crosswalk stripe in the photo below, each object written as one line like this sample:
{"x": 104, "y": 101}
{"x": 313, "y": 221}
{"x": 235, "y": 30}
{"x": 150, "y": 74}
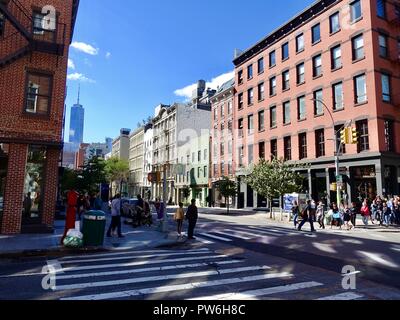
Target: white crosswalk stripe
{"x": 209, "y": 235}
{"x": 200, "y": 275}
{"x": 233, "y": 235}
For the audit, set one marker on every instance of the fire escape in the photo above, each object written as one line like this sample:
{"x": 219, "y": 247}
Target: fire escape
{"x": 27, "y": 32}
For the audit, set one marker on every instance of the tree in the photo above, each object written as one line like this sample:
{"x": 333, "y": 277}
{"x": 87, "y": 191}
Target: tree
{"x": 227, "y": 189}
{"x": 186, "y": 193}
{"x": 92, "y": 174}
{"x": 275, "y": 178}
{"x": 116, "y": 170}
{"x": 69, "y": 180}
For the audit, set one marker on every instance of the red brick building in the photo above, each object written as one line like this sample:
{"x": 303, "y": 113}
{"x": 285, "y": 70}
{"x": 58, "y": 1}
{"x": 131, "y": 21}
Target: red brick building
{"x": 346, "y": 55}
{"x": 34, "y": 42}
{"x": 221, "y": 146}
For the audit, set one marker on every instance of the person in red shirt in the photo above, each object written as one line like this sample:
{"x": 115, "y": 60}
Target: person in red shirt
{"x": 72, "y": 202}
{"x": 366, "y": 213}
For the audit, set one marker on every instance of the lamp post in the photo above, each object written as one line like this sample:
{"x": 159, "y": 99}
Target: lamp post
{"x": 338, "y": 147}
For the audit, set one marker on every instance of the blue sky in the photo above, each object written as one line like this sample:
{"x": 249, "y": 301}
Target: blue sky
{"x": 132, "y": 55}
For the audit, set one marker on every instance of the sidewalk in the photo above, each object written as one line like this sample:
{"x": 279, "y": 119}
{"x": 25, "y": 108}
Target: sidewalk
{"x": 25, "y": 245}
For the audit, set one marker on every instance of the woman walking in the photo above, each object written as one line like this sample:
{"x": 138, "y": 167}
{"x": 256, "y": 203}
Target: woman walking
{"x": 366, "y": 213}
{"x": 179, "y": 217}
{"x": 321, "y": 215}
{"x": 295, "y": 213}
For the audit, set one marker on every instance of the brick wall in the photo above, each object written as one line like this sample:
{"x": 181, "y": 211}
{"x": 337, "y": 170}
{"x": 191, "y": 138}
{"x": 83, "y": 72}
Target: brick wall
{"x": 13, "y": 198}
{"x": 50, "y": 196}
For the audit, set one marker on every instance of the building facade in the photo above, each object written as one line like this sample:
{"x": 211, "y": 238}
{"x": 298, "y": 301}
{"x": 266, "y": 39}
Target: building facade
{"x": 136, "y": 161}
{"x": 147, "y": 160}
{"x": 222, "y": 159}
{"x": 33, "y": 68}
{"x": 335, "y": 62}
{"x": 120, "y": 150}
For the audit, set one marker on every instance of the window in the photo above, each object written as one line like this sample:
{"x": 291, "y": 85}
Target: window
{"x": 337, "y": 90}
{"x": 222, "y": 149}
{"x": 215, "y": 170}
{"x": 272, "y": 112}
{"x": 320, "y": 143}
{"x": 272, "y": 86}
{"x": 2, "y": 24}
{"x": 260, "y": 65}
{"x": 318, "y": 106}
{"x": 301, "y": 108}
{"x": 230, "y": 168}
{"x": 286, "y": 112}
{"x": 381, "y": 8}
{"x": 216, "y": 113}
{"x": 358, "y": 47}
{"x": 287, "y": 142}
{"x": 205, "y": 171}
{"x": 285, "y": 80}
{"x": 389, "y": 136}
{"x": 360, "y": 89}
{"x": 274, "y": 149}
{"x": 240, "y": 76}
{"x": 251, "y": 153}
{"x": 300, "y": 43}
{"x": 316, "y": 33}
{"x": 241, "y": 155}
{"x": 250, "y": 124}
{"x": 241, "y": 126}
{"x": 222, "y": 110}
{"x": 198, "y": 172}
{"x": 229, "y": 107}
{"x": 261, "y": 91}
{"x": 230, "y": 127}
{"x": 285, "y": 51}
{"x": 38, "y": 93}
{"x": 250, "y": 72}
{"x": 334, "y": 23}
{"x": 302, "y": 145}
{"x": 386, "y": 95}
{"x": 40, "y": 29}
{"x": 272, "y": 59}
{"x": 222, "y": 168}
{"x": 261, "y": 120}
{"x": 261, "y": 150}
{"x": 317, "y": 66}
{"x": 356, "y": 11}
{"x": 336, "y": 57}
{"x": 240, "y": 101}
{"x": 300, "y": 73}
{"x": 199, "y": 156}
{"x": 250, "y": 96}
{"x": 383, "y": 46}
{"x": 363, "y": 141}
{"x": 230, "y": 146}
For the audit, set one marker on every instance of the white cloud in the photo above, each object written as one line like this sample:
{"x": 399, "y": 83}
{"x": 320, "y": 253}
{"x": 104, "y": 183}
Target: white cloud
{"x": 108, "y": 55}
{"x": 85, "y": 48}
{"x": 187, "y": 91}
{"x": 79, "y": 77}
{"x": 71, "y": 64}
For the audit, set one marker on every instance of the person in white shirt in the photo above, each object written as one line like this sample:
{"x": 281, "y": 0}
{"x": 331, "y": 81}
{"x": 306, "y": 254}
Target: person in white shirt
{"x": 115, "y": 217}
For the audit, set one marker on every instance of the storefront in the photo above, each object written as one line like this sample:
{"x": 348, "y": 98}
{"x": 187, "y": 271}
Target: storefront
{"x": 364, "y": 182}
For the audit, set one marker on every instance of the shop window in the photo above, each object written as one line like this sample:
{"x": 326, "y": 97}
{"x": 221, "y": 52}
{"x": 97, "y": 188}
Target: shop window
{"x": 34, "y": 182}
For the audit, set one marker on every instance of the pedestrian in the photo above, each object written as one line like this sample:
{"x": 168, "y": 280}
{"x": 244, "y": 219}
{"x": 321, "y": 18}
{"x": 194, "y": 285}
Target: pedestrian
{"x": 321, "y": 215}
{"x": 139, "y": 210}
{"x": 336, "y": 216}
{"x": 307, "y": 215}
{"x": 28, "y": 205}
{"x": 98, "y": 202}
{"x": 347, "y": 218}
{"x": 148, "y": 220}
{"x": 354, "y": 212}
{"x": 366, "y": 213}
{"x": 179, "y": 217}
{"x": 295, "y": 213}
{"x": 115, "y": 217}
{"x": 314, "y": 210}
{"x": 192, "y": 216}
{"x": 386, "y": 213}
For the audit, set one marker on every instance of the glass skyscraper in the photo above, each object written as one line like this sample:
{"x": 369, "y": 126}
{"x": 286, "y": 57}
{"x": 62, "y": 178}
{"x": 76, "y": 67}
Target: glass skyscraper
{"x": 77, "y": 124}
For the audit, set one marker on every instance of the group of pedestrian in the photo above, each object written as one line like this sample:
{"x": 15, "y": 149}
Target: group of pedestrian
{"x": 192, "y": 215}
{"x": 380, "y": 211}
{"x": 88, "y": 202}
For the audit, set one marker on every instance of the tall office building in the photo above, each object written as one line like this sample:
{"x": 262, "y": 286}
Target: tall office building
{"x": 77, "y": 123}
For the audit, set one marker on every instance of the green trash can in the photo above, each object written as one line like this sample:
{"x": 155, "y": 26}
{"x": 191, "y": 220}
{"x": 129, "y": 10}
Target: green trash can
{"x": 94, "y": 225}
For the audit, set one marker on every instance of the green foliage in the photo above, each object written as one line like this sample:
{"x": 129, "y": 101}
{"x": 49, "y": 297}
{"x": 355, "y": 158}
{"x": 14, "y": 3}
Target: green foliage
{"x": 275, "y": 178}
{"x": 228, "y": 189}
{"x": 116, "y": 170}
{"x": 69, "y": 180}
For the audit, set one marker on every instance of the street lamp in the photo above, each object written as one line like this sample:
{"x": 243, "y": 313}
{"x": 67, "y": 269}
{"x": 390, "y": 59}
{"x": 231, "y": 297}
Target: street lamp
{"x": 338, "y": 146}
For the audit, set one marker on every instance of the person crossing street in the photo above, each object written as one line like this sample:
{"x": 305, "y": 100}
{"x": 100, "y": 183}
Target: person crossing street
{"x": 192, "y": 216}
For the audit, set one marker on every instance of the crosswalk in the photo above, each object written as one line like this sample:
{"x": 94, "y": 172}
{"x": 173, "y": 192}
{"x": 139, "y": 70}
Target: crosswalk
{"x": 179, "y": 274}
{"x": 244, "y": 233}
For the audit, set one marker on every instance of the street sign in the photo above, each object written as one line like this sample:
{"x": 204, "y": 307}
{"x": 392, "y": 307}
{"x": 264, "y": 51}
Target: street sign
{"x": 339, "y": 179}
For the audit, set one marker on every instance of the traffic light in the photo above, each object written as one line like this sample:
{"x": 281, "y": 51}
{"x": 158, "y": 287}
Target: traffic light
{"x": 344, "y": 136}
{"x": 354, "y": 136}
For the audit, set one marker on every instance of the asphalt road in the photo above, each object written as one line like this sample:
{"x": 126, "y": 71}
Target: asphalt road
{"x": 245, "y": 258}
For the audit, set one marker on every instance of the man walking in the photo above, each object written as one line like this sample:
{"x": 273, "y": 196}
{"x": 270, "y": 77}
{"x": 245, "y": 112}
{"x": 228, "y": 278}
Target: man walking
{"x": 192, "y": 216}
{"x": 307, "y": 215}
{"x": 115, "y": 217}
